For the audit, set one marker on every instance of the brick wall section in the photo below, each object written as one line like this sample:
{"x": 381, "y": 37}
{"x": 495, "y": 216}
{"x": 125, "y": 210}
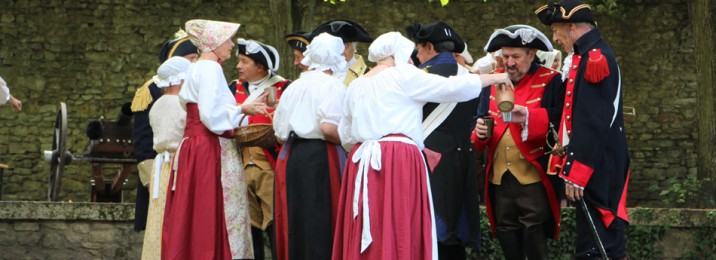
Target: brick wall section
{"x": 94, "y": 54}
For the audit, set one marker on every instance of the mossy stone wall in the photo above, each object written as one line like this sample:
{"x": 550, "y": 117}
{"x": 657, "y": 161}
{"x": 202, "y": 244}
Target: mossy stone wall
{"x": 93, "y": 55}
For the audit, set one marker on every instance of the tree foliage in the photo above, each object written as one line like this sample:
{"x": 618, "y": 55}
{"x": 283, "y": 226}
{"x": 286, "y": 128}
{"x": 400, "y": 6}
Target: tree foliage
{"x": 608, "y": 7}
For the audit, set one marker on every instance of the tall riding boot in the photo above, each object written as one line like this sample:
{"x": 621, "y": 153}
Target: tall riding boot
{"x": 451, "y": 252}
{"x": 271, "y": 230}
{"x": 511, "y": 244}
{"x": 536, "y": 243}
{"x": 258, "y": 238}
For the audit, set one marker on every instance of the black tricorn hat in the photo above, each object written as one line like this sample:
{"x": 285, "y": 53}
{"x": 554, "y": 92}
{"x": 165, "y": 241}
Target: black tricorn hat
{"x": 261, "y": 53}
{"x": 347, "y": 30}
{"x": 435, "y": 33}
{"x": 566, "y": 11}
{"x": 518, "y": 36}
{"x": 180, "y": 46}
{"x": 298, "y": 40}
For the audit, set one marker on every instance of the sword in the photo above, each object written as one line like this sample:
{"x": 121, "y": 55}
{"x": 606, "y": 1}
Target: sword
{"x": 593, "y": 230}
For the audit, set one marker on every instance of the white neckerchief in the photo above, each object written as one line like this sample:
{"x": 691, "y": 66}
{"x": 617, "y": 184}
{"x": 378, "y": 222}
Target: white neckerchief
{"x": 257, "y": 87}
{"x": 566, "y": 66}
{"x": 254, "y": 85}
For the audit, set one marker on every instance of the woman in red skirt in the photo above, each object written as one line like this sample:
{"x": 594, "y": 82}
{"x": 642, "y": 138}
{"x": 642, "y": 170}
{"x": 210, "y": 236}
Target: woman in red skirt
{"x": 385, "y": 208}
{"x": 206, "y": 215}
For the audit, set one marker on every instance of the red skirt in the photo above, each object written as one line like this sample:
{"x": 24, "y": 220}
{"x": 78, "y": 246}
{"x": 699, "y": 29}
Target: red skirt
{"x": 194, "y": 224}
{"x": 401, "y": 221}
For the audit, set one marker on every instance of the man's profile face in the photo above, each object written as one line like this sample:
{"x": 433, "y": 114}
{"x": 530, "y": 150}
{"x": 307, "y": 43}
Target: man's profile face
{"x": 297, "y": 58}
{"x": 348, "y": 51}
{"x": 424, "y": 52}
{"x": 560, "y": 35}
{"x": 517, "y": 61}
{"x": 192, "y": 57}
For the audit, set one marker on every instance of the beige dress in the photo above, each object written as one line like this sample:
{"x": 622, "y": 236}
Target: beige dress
{"x": 167, "y": 118}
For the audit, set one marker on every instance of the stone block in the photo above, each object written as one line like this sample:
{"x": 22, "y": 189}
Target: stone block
{"x": 53, "y": 241}
{"x": 26, "y": 226}
{"x": 28, "y": 238}
{"x": 91, "y": 245}
{"x": 103, "y": 236}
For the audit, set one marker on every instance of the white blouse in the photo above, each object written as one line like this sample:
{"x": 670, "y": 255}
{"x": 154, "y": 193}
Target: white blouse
{"x": 312, "y": 99}
{"x": 4, "y": 92}
{"x": 391, "y": 102}
{"x": 207, "y": 87}
{"x": 168, "y": 120}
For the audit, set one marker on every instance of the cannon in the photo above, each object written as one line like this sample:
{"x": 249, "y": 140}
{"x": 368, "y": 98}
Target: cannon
{"x": 109, "y": 146}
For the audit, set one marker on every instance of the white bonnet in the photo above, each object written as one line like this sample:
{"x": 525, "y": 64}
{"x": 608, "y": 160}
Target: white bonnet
{"x": 485, "y": 64}
{"x": 172, "y": 72}
{"x": 391, "y": 44}
{"x": 547, "y": 57}
{"x": 325, "y": 53}
{"x": 466, "y": 55}
{"x": 207, "y": 35}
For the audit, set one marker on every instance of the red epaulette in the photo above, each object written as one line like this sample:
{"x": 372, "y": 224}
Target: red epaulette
{"x": 597, "y": 67}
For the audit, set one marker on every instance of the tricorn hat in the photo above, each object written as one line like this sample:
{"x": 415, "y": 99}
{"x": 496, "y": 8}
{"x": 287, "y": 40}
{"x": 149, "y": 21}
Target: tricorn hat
{"x": 566, "y": 11}
{"x": 347, "y": 30}
{"x": 518, "y": 36}
{"x": 298, "y": 40}
{"x": 263, "y": 54}
{"x": 435, "y": 33}
{"x": 180, "y": 46}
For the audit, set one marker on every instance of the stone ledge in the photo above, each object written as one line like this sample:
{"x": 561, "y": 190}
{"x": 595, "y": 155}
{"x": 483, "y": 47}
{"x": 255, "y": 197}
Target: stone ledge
{"x": 34, "y": 210}
{"x": 40, "y": 210}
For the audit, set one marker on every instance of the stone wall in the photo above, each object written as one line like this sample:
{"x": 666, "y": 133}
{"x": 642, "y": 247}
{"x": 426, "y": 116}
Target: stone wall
{"x": 94, "y": 54}
{"x": 41, "y": 230}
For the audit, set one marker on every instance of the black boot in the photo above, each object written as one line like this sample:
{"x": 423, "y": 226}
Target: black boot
{"x": 257, "y": 235}
{"x": 536, "y": 243}
{"x": 451, "y": 252}
{"x": 511, "y": 244}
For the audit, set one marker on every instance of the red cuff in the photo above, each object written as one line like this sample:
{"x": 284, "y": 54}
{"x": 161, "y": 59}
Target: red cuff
{"x": 579, "y": 174}
{"x": 477, "y": 143}
{"x": 538, "y": 124}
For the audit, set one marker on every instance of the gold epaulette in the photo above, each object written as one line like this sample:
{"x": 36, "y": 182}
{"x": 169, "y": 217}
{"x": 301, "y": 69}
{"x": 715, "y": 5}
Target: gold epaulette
{"x": 142, "y": 98}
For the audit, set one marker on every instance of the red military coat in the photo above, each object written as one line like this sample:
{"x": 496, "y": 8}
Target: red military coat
{"x": 541, "y": 91}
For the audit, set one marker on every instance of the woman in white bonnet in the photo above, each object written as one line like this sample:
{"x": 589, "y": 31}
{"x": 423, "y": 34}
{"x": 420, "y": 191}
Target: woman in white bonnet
{"x": 167, "y": 118}
{"x": 550, "y": 59}
{"x": 385, "y": 209}
{"x": 206, "y": 209}
{"x": 309, "y": 165}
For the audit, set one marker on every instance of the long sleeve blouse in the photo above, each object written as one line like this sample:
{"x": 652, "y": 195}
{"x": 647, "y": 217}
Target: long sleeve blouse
{"x": 391, "y": 102}
{"x": 313, "y": 99}
{"x": 207, "y": 87}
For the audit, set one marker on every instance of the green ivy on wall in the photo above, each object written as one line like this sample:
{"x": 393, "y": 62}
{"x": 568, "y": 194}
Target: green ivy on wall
{"x": 641, "y": 241}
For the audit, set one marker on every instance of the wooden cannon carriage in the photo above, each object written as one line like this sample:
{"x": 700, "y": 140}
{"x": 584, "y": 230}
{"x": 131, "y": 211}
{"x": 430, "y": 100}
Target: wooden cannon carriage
{"x": 109, "y": 148}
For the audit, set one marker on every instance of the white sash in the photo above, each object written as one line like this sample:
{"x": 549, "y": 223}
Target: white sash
{"x": 261, "y": 87}
{"x": 436, "y": 118}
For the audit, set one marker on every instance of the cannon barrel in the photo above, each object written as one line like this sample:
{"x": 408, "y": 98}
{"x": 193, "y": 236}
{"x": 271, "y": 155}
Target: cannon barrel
{"x": 125, "y": 114}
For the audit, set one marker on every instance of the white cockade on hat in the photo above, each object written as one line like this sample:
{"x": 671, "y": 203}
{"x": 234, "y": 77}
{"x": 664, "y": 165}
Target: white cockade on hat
{"x": 526, "y": 33}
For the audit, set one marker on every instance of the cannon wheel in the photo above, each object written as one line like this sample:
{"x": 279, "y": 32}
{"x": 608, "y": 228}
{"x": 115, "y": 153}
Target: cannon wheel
{"x": 59, "y": 153}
